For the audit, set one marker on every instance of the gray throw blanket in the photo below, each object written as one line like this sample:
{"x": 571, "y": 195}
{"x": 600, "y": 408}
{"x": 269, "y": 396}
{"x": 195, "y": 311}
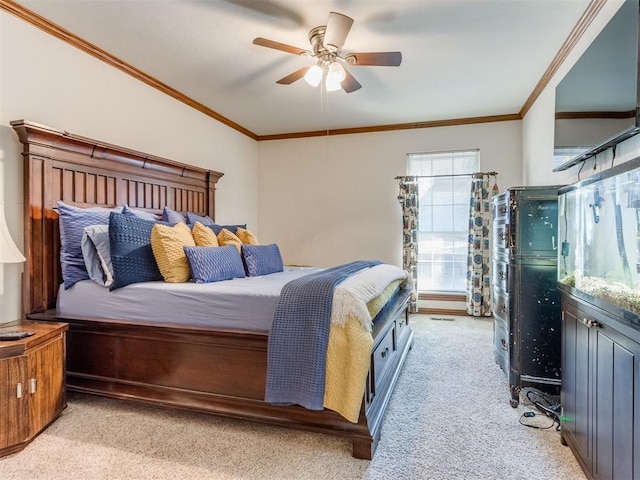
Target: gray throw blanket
{"x": 297, "y": 348}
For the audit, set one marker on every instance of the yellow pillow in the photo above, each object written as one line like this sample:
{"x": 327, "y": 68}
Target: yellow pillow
{"x": 225, "y": 237}
{"x": 246, "y": 237}
{"x": 167, "y": 244}
{"x": 204, "y": 236}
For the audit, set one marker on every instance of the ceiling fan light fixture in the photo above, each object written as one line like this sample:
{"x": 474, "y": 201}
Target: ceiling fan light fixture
{"x": 326, "y": 42}
{"x": 338, "y": 27}
{"x": 335, "y": 75}
{"x": 313, "y": 76}
{"x": 332, "y": 86}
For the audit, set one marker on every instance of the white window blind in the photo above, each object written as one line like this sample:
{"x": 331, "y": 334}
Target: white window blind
{"x": 443, "y": 222}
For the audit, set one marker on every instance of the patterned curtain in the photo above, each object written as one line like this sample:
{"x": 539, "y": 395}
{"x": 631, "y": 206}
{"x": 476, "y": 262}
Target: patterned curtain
{"x": 409, "y": 199}
{"x": 479, "y": 258}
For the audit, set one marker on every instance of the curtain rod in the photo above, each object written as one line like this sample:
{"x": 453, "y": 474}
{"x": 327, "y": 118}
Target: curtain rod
{"x": 411, "y": 177}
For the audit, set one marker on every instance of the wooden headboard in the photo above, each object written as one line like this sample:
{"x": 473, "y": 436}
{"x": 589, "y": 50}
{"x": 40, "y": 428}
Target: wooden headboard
{"x": 88, "y": 173}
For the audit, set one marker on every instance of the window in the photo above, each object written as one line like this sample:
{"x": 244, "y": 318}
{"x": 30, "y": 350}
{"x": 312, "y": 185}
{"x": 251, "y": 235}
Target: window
{"x": 443, "y": 217}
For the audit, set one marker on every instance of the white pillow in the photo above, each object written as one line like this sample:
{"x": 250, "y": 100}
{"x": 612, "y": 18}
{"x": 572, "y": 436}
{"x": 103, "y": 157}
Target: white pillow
{"x": 97, "y": 254}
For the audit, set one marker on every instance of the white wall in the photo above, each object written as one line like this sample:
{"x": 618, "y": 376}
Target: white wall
{"x": 328, "y": 200}
{"x": 45, "y": 80}
{"x": 586, "y": 132}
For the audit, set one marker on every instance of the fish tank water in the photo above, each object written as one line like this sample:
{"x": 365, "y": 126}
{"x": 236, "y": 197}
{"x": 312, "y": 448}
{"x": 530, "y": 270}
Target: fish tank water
{"x": 599, "y": 236}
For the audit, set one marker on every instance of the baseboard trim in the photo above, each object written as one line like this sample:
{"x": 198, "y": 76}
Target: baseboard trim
{"x": 442, "y": 311}
{"x": 442, "y": 297}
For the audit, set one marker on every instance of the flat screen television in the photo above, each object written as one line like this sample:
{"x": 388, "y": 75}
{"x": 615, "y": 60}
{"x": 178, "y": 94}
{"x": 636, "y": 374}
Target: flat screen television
{"x": 597, "y": 101}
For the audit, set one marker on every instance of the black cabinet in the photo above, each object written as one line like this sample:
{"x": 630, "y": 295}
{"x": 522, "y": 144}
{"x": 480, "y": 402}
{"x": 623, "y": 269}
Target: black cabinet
{"x": 601, "y": 390}
{"x": 525, "y": 298}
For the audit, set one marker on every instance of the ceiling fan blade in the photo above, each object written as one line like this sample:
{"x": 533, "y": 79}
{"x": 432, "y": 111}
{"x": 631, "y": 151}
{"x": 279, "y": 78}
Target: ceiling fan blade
{"x": 264, "y": 42}
{"x": 270, "y": 9}
{"x": 350, "y": 84}
{"x": 382, "y": 59}
{"x": 338, "y": 27}
{"x": 292, "y": 77}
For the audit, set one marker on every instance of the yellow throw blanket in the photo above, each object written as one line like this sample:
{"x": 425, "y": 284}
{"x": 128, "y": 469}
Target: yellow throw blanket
{"x": 350, "y": 339}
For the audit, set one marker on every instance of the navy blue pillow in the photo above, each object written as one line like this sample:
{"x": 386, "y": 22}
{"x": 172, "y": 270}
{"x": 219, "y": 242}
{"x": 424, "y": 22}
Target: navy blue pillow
{"x": 213, "y": 264}
{"x": 262, "y": 259}
{"x": 131, "y": 254}
{"x": 232, "y": 228}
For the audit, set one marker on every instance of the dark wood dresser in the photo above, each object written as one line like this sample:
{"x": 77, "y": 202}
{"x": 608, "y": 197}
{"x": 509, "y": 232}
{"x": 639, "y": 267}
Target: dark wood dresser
{"x": 526, "y": 301}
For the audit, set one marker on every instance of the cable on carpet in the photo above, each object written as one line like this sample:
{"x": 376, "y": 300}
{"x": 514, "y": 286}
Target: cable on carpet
{"x": 546, "y": 407}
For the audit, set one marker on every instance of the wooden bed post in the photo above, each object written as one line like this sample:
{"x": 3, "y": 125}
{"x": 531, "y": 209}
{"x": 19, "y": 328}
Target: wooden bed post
{"x": 211, "y": 200}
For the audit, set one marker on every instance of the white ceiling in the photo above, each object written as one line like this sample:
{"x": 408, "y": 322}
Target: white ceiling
{"x": 461, "y": 58}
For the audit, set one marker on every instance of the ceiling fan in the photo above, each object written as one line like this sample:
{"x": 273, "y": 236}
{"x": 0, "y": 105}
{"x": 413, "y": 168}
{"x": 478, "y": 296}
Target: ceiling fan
{"x": 326, "y": 42}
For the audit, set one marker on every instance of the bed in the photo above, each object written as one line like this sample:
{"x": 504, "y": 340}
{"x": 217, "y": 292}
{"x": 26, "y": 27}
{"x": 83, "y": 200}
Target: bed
{"x": 171, "y": 364}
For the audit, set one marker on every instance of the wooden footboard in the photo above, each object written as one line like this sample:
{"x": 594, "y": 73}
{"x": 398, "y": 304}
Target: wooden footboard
{"x": 224, "y": 372}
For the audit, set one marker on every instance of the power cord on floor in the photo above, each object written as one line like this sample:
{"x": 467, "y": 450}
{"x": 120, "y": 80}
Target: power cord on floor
{"x": 546, "y": 408}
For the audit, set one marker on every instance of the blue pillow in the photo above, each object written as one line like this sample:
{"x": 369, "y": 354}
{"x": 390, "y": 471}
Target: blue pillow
{"x": 171, "y": 216}
{"x": 232, "y": 228}
{"x": 213, "y": 264}
{"x": 262, "y": 259}
{"x": 72, "y": 223}
{"x": 134, "y": 212}
{"x": 131, "y": 254}
{"x": 193, "y": 218}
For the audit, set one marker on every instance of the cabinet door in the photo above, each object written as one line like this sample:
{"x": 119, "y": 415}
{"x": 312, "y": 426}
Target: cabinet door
{"x": 536, "y": 217}
{"x": 14, "y": 424}
{"x": 45, "y": 384}
{"x": 536, "y": 319}
{"x": 575, "y": 383}
{"x": 615, "y": 369}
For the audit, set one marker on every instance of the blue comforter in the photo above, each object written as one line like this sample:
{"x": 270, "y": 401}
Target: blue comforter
{"x": 299, "y": 334}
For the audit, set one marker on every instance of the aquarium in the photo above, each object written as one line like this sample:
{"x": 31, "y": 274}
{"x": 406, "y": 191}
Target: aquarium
{"x": 599, "y": 235}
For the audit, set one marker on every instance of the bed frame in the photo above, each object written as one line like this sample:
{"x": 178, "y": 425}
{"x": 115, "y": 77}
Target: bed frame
{"x": 215, "y": 371}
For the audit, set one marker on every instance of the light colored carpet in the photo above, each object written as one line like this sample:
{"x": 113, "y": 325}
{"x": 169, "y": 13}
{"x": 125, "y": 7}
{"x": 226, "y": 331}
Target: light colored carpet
{"x": 449, "y": 418}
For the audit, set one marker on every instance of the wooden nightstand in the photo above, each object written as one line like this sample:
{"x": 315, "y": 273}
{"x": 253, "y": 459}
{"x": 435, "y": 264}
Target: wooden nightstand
{"x": 32, "y": 382}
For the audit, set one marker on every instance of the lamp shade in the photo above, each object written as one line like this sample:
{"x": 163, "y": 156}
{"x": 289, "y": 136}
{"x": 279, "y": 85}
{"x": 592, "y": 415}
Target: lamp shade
{"x": 335, "y": 75}
{"x": 314, "y": 76}
{"x": 9, "y": 252}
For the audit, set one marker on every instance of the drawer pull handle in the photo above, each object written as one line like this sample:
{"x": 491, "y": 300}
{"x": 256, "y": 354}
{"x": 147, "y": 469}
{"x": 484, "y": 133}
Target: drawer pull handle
{"x": 503, "y": 309}
{"x": 501, "y": 236}
{"x": 591, "y": 323}
{"x": 502, "y": 209}
{"x": 19, "y": 391}
{"x": 502, "y": 275}
{"x": 504, "y": 344}
{"x": 33, "y": 385}
{"x": 385, "y": 352}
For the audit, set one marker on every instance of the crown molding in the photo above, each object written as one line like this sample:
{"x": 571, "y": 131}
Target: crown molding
{"x": 95, "y": 51}
{"x": 585, "y": 20}
{"x": 577, "y": 115}
{"x": 398, "y": 126}
{"x": 57, "y": 31}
